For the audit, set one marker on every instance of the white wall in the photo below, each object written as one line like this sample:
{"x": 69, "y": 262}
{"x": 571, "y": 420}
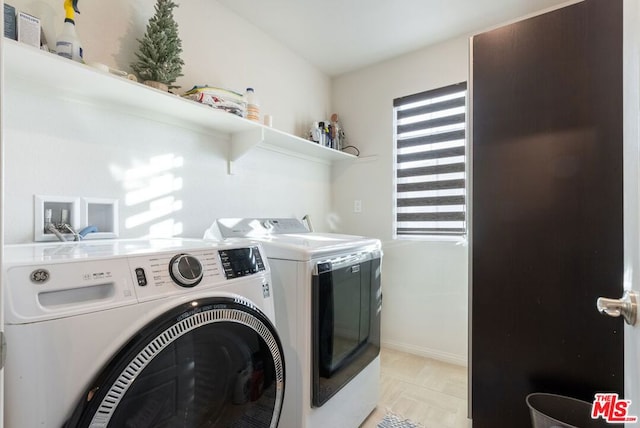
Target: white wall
{"x": 424, "y": 282}
{"x": 65, "y": 148}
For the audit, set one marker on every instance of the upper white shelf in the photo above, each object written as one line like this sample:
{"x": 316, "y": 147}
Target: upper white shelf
{"x": 32, "y": 68}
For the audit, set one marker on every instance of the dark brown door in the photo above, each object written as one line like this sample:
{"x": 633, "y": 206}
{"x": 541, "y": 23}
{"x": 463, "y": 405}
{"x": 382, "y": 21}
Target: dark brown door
{"x": 547, "y": 225}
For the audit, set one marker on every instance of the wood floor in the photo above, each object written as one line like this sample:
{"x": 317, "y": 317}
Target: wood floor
{"x": 423, "y": 390}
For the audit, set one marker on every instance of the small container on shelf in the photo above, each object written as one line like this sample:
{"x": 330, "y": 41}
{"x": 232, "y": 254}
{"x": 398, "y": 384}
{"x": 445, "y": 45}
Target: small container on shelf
{"x": 253, "y": 106}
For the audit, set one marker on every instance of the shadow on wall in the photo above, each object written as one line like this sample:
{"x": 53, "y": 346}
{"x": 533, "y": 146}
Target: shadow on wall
{"x": 151, "y": 195}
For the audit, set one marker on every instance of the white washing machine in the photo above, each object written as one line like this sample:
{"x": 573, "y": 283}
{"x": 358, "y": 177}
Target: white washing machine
{"x": 141, "y": 333}
{"x": 328, "y": 308}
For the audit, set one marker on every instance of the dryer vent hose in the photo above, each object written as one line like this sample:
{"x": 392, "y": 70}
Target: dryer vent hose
{"x": 307, "y": 220}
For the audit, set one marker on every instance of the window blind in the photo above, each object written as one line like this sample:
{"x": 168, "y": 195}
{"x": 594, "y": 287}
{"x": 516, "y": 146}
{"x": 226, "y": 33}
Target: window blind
{"x": 430, "y": 134}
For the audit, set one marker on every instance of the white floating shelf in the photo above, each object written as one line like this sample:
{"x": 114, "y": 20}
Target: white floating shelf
{"x": 54, "y": 76}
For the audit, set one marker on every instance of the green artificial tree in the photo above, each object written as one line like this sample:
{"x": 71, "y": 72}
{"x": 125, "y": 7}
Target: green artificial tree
{"x": 160, "y": 48}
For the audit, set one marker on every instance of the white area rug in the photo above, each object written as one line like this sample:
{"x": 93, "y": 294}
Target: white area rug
{"x": 395, "y": 421}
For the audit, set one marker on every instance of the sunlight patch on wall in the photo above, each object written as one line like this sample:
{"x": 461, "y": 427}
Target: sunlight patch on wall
{"x": 151, "y": 191}
{"x": 157, "y": 187}
{"x": 158, "y": 209}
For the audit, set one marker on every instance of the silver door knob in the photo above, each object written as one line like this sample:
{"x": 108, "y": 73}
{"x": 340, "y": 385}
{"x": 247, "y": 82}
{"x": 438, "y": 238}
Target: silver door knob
{"x": 627, "y": 306}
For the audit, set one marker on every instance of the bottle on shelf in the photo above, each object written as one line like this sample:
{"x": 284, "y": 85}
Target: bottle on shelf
{"x": 314, "y": 132}
{"x": 253, "y": 106}
{"x": 337, "y": 135}
{"x": 68, "y": 44}
{"x": 323, "y": 136}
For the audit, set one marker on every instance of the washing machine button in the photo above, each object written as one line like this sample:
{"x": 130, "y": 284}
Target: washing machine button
{"x": 141, "y": 277}
{"x": 186, "y": 270}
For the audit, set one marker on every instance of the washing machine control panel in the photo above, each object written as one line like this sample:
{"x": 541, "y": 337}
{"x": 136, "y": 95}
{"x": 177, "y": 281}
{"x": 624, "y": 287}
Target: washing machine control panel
{"x": 168, "y": 273}
{"x": 239, "y": 262}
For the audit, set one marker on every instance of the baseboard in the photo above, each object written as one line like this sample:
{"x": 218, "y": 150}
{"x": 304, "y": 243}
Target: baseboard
{"x": 447, "y": 357}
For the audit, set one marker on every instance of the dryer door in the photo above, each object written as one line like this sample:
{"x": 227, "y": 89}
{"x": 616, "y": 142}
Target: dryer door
{"x": 216, "y": 362}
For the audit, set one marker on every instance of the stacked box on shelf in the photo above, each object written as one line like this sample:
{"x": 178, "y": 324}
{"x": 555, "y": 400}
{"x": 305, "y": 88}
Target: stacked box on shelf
{"x": 10, "y": 22}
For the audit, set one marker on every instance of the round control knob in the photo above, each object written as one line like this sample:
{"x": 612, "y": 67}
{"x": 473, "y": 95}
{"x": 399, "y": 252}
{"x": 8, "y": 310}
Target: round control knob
{"x": 185, "y": 270}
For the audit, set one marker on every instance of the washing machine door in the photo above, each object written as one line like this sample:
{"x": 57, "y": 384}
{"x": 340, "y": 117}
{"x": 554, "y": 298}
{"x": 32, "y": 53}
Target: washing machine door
{"x": 216, "y": 362}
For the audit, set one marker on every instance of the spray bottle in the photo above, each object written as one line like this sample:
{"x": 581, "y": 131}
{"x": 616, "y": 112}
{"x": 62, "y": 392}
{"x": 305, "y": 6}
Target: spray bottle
{"x": 68, "y": 44}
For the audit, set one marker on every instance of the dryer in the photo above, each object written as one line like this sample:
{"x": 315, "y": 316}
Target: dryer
{"x": 328, "y": 309}
{"x": 144, "y": 333}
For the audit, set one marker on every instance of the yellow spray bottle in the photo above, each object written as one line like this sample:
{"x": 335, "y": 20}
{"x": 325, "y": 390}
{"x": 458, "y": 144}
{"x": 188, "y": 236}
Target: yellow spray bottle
{"x": 68, "y": 44}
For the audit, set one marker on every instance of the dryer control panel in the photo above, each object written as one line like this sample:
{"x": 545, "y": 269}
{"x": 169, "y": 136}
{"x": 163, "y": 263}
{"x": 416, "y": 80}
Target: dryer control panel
{"x": 255, "y": 227}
